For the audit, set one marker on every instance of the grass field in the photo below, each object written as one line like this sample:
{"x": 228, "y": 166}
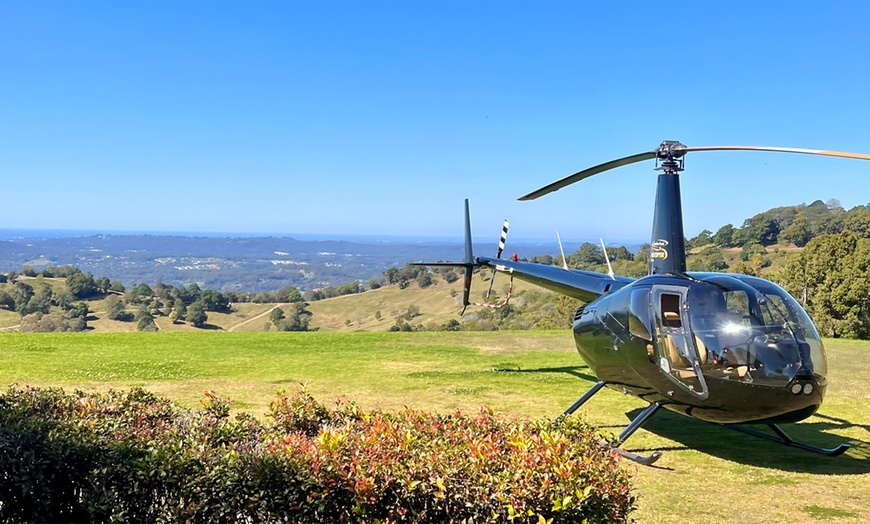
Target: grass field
{"x": 707, "y": 474}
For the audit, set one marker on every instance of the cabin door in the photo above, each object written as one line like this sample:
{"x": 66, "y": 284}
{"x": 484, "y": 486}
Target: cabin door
{"x": 677, "y": 357}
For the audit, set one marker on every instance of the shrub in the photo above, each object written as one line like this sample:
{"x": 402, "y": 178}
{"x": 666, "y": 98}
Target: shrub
{"x": 135, "y": 457}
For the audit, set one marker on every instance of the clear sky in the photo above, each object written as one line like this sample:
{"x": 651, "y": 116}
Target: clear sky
{"x": 380, "y": 117}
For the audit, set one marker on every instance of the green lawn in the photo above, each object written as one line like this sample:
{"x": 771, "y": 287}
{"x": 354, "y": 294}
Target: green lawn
{"x": 707, "y": 474}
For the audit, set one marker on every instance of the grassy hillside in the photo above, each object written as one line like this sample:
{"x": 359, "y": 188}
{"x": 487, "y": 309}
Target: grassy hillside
{"x": 707, "y": 474}
{"x": 374, "y": 310}
{"x": 437, "y": 304}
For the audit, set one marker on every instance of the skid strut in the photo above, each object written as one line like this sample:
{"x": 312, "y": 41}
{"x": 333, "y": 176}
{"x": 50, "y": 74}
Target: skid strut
{"x": 627, "y": 432}
{"x": 586, "y": 396}
{"x": 783, "y": 438}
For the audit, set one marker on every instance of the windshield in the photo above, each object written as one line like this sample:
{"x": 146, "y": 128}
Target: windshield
{"x": 752, "y": 330}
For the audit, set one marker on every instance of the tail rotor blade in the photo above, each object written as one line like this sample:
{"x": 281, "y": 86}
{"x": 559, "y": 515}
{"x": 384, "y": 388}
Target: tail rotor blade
{"x": 503, "y": 239}
{"x": 501, "y": 243}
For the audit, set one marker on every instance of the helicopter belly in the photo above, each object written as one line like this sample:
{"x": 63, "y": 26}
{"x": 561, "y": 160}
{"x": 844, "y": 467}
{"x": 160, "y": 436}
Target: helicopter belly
{"x": 740, "y": 403}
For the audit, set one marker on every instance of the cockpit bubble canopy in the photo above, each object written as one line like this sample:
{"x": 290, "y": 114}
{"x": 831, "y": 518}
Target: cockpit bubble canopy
{"x": 752, "y": 329}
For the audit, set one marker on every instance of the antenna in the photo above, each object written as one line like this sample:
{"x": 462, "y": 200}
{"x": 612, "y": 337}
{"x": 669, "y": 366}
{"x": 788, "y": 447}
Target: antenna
{"x": 607, "y": 258}
{"x": 564, "y": 260}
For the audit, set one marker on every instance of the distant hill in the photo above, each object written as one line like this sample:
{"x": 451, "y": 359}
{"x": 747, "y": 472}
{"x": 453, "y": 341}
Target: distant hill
{"x": 233, "y": 264}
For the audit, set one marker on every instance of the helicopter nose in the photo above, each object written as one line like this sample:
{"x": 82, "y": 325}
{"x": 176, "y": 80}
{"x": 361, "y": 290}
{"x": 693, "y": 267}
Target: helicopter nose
{"x": 799, "y": 387}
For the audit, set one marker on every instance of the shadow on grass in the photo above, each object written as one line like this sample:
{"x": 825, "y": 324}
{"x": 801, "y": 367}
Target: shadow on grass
{"x": 727, "y": 444}
{"x": 210, "y": 327}
{"x": 574, "y": 371}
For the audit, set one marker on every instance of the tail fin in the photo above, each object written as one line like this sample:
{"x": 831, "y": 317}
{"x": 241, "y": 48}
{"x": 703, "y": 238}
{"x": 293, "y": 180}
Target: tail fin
{"x": 468, "y": 264}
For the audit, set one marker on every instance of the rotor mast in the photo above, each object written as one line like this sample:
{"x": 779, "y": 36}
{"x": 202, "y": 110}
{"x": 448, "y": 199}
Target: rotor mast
{"x": 667, "y": 245}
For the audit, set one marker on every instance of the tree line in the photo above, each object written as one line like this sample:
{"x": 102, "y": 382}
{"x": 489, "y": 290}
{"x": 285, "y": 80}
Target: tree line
{"x": 829, "y": 277}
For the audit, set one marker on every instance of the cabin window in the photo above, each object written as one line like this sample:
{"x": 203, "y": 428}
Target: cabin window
{"x": 638, "y": 314}
{"x": 670, "y": 308}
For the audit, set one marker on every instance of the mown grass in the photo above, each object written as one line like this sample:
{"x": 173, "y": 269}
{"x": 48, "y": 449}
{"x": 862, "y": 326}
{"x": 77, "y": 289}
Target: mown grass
{"x": 707, "y": 474}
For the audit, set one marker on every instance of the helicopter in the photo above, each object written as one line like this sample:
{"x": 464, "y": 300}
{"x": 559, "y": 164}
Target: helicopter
{"x": 730, "y": 349}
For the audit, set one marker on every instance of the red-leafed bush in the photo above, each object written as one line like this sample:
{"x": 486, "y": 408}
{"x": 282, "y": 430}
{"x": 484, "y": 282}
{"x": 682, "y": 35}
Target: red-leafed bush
{"x": 135, "y": 457}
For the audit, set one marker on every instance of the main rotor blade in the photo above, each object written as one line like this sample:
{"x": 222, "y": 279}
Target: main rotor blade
{"x": 586, "y": 173}
{"x": 822, "y": 152}
{"x": 677, "y": 152}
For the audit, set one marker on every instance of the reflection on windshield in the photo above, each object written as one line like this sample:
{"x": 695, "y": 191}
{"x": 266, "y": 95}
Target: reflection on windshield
{"x": 751, "y": 330}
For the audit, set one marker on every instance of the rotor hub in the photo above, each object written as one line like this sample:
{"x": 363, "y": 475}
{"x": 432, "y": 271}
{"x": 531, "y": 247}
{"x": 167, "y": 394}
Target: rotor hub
{"x": 669, "y": 157}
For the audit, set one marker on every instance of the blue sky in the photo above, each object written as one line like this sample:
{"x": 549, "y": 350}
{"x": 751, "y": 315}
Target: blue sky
{"x": 380, "y": 117}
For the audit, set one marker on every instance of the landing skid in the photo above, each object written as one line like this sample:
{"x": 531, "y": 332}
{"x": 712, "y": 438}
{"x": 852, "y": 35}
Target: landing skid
{"x": 627, "y": 432}
{"x": 779, "y": 436}
{"x": 783, "y": 438}
{"x": 647, "y": 460}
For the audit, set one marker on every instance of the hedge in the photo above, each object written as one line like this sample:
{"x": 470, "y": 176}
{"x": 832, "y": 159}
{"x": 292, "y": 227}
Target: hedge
{"x": 135, "y": 457}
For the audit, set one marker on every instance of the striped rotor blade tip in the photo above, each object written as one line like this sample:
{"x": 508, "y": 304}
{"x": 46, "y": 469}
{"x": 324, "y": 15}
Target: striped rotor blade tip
{"x": 501, "y": 242}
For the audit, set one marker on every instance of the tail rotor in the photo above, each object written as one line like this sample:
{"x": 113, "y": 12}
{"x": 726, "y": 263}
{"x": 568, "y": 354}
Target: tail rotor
{"x": 501, "y": 243}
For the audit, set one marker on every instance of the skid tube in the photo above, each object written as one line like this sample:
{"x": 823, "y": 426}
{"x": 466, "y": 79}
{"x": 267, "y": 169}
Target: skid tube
{"x": 783, "y": 438}
{"x": 646, "y": 460}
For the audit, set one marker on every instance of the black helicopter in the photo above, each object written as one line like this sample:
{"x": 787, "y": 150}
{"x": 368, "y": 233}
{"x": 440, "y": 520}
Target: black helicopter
{"x": 724, "y": 348}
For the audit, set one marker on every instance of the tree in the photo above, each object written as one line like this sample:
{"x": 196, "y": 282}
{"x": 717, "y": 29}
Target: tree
{"x": 858, "y": 221}
{"x": 81, "y": 285}
{"x": 6, "y": 300}
{"x": 190, "y": 294}
{"x": 21, "y": 294}
{"x": 831, "y": 277}
{"x": 797, "y": 232}
{"x": 115, "y": 308}
{"x": 704, "y": 237}
{"x": 103, "y": 285}
{"x": 79, "y": 309}
{"x": 724, "y": 237}
{"x": 587, "y": 255}
{"x": 751, "y": 249}
{"x": 214, "y": 301}
{"x": 709, "y": 259}
{"x": 164, "y": 291}
{"x": 424, "y": 280}
{"x": 196, "y": 314}
{"x": 146, "y": 323}
{"x": 547, "y": 260}
{"x": 620, "y": 253}
{"x": 63, "y": 298}
{"x": 288, "y": 294}
{"x": 296, "y": 318}
{"x": 413, "y": 311}
{"x": 276, "y": 316}
{"x": 180, "y": 308}
{"x": 140, "y": 294}
{"x": 449, "y": 275}
{"x": 40, "y": 300}
{"x": 760, "y": 229}
{"x": 451, "y": 325}
{"x": 392, "y": 275}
